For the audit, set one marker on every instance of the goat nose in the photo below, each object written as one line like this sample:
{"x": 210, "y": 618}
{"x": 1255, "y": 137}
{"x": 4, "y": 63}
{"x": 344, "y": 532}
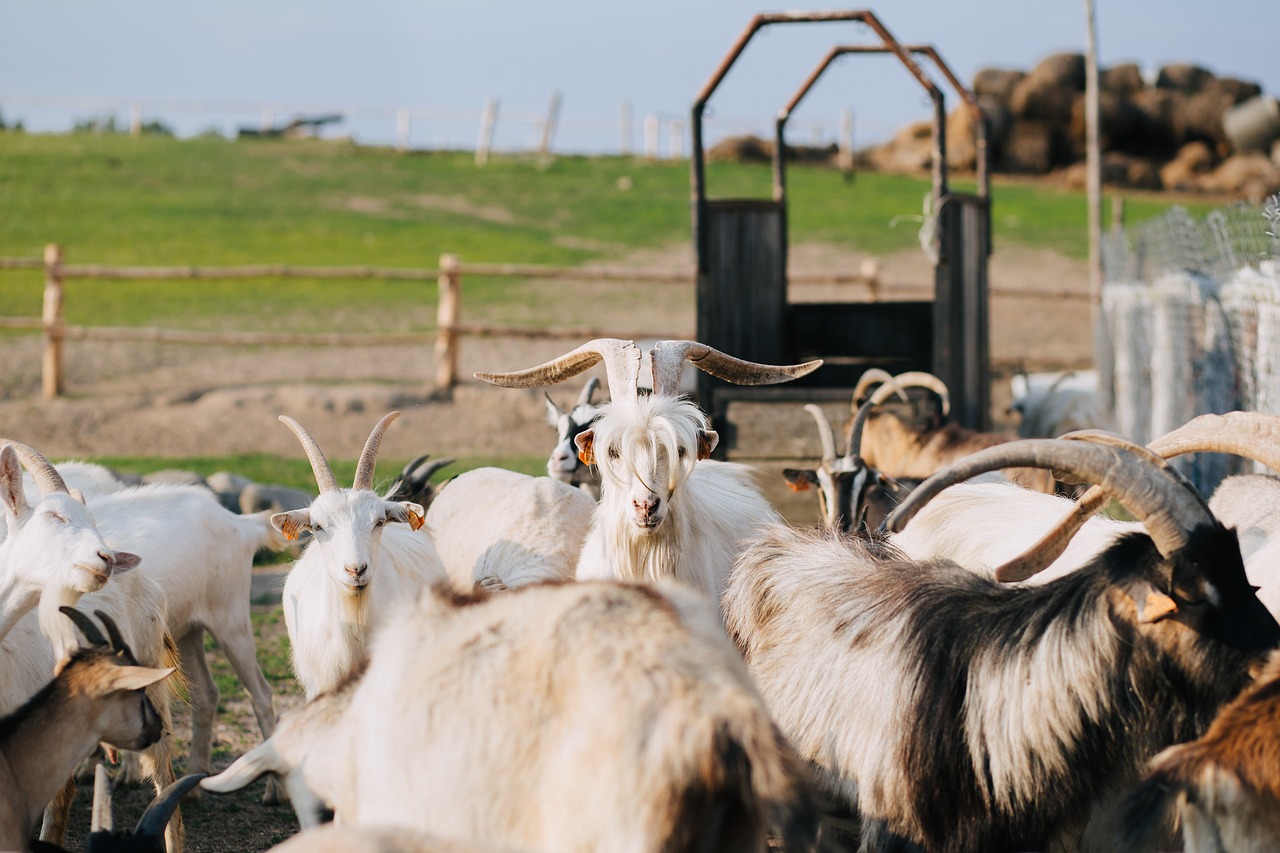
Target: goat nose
{"x": 357, "y": 572}
{"x": 648, "y": 505}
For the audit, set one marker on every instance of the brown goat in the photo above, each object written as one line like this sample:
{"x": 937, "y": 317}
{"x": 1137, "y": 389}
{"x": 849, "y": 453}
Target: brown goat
{"x": 1225, "y": 786}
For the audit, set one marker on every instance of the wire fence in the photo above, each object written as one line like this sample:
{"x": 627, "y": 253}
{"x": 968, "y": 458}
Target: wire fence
{"x": 1190, "y": 323}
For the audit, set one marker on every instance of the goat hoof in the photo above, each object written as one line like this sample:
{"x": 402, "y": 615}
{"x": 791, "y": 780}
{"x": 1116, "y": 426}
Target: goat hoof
{"x": 275, "y": 794}
{"x": 489, "y": 583}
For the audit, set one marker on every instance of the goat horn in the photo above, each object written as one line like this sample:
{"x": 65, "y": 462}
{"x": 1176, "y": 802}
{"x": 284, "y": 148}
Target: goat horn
{"x": 369, "y": 456}
{"x": 156, "y": 817}
{"x": 1252, "y": 435}
{"x": 920, "y": 379}
{"x": 621, "y": 363}
{"x": 1148, "y": 492}
{"x": 887, "y": 390}
{"x": 434, "y": 466}
{"x": 825, "y": 435}
{"x": 584, "y": 399}
{"x": 113, "y": 632}
{"x": 42, "y": 471}
{"x": 86, "y": 626}
{"x": 319, "y": 465}
{"x": 668, "y": 358}
{"x": 870, "y": 376}
{"x": 101, "y": 819}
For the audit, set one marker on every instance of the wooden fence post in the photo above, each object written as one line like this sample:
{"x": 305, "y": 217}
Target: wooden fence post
{"x": 488, "y": 121}
{"x": 447, "y": 325}
{"x": 51, "y": 372}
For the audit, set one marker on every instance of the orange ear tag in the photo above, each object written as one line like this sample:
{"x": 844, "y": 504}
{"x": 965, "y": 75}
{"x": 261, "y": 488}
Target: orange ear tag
{"x": 415, "y": 521}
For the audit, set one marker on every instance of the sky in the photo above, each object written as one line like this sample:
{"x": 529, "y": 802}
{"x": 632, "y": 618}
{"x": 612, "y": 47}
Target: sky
{"x": 444, "y": 60}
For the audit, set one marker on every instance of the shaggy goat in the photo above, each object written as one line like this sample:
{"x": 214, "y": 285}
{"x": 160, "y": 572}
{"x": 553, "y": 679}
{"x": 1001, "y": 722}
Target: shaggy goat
{"x": 564, "y": 464}
{"x": 663, "y": 513}
{"x": 96, "y": 695}
{"x": 575, "y": 717}
{"x": 501, "y": 529}
{"x": 955, "y": 713}
{"x": 365, "y": 554}
{"x": 378, "y": 839}
{"x": 1225, "y": 786}
{"x": 414, "y": 482}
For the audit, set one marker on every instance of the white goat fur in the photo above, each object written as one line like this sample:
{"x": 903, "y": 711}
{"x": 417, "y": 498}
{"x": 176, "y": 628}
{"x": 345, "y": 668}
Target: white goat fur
{"x": 983, "y": 525}
{"x": 330, "y": 617}
{"x": 1055, "y": 407}
{"x": 377, "y": 839}
{"x": 609, "y": 701}
{"x": 649, "y": 448}
{"x": 494, "y": 523}
{"x": 1251, "y": 504}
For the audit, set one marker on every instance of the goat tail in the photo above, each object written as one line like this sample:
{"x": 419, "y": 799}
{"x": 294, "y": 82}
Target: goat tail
{"x": 1149, "y": 813}
{"x": 749, "y": 785}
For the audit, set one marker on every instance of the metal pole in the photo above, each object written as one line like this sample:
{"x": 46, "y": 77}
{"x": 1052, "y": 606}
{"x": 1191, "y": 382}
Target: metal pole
{"x": 1093, "y": 157}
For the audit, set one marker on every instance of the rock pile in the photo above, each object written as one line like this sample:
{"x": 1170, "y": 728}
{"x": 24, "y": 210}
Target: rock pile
{"x": 1170, "y": 135}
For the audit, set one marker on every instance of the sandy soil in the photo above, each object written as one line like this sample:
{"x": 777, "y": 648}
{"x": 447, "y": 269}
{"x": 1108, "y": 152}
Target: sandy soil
{"x": 171, "y": 400}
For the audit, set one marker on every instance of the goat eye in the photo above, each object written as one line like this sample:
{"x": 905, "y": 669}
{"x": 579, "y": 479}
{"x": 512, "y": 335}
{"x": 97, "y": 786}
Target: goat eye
{"x": 315, "y": 528}
{"x": 380, "y": 522}
{"x": 56, "y": 517}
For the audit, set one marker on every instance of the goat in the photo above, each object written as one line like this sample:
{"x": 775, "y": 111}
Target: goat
{"x": 898, "y": 449}
{"x": 414, "y": 482}
{"x": 378, "y": 839}
{"x": 1050, "y": 409}
{"x": 501, "y": 529}
{"x": 564, "y": 464}
{"x": 96, "y": 695}
{"x": 53, "y": 555}
{"x": 624, "y": 706}
{"x": 1224, "y": 786}
{"x": 365, "y": 554}
{"x": 664, "y": 512}
{"x": 1027, "y": 707}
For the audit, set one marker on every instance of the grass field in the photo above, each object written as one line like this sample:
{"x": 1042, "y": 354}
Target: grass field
{"x": 114, "y": 199}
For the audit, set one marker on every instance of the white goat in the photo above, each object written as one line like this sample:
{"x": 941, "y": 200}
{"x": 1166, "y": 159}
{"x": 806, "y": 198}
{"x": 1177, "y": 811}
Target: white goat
{"x": 564, "y": 464}
{"x": 574, "y": 717}
{"x": 661, "y": 513}
{"x": 54, "y": 555}
{"x": 1053, "y": 405}
{"x": 93, "y": 697}
{"x": 501, "y": 529}
{"x": 354, "y": 568}
{"x": 378, "y": 839}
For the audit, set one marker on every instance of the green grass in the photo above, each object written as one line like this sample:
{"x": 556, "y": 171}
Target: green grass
{"x": 152, "y": 200}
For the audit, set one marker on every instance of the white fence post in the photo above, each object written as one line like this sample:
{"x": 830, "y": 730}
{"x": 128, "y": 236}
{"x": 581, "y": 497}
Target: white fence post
{"x": 488, "y": 121}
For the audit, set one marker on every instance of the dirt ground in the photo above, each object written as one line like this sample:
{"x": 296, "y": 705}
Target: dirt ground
{"x": 173, "y": 400}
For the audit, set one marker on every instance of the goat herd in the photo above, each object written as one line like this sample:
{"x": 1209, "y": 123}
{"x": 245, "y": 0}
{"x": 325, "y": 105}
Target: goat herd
{"x": 957, "y": 660}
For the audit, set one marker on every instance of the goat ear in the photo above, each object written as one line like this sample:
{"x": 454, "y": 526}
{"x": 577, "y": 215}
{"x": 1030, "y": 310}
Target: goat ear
{"x": 292, "y": 523}
{"x": 707, "y": 441}
{"x": 1152, "y": 604}
{"x": 123, "y": 561}
{"x": 800, "y": 479}
{"x": 553, "y": 411}
{"x": 15, "y": 498}
{"x": 406, "y": 512}
{"x": 134, "y": 677}
{"x": 586, "y": 444}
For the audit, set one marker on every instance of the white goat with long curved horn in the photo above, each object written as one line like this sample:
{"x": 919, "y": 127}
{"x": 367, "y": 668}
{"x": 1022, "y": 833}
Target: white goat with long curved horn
{"x": 661, "y": 513}
{"x": 356, "y": 567}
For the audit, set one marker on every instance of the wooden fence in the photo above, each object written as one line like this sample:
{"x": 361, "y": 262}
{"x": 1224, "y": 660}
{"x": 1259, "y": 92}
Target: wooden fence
{"x": 449, "y": 328}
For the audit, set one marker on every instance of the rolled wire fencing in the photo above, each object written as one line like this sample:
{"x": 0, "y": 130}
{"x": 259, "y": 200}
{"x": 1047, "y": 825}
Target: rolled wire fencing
{"x": 1190, "y": 323}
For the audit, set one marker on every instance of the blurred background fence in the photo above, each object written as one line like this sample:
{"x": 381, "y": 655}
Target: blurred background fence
{"x": 1190, "y": 323}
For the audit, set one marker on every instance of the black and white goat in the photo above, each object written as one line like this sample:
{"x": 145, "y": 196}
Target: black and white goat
{"x": 956, "y": 713}
{"x": 564, "y": 464}
{"x": 665, "y": 510}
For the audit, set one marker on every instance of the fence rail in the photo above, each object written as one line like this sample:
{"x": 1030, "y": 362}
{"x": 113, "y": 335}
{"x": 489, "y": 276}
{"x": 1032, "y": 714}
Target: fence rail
{"x": 449, "y": 329}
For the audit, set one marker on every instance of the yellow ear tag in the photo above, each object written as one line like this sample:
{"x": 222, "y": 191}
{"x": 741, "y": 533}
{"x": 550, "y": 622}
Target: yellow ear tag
{"x": 587, "y": 455}
{"x": 291, "y": 529}
{"x": 802, "y": 486}
{"x": 415, "y": 520}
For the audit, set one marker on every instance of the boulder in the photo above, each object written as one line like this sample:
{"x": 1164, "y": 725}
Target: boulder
{"x": 1252, "y": 177}
{"x": 1235, "y": 89}
{"x": 1064, "y": 70}
{"x": 1183, "y": 77}
{"x": 997, "y": 83}
{"x": 1122, "y": 80}
{"x": 1193, "y": 161}
{"x": 1118, "y": 170}
{"x": 1029, "y": 148}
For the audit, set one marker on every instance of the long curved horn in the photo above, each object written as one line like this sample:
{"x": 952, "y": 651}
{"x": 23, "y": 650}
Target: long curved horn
{"x": 47, "y": 478}
{"x": 369, "y": 456}
{"x": 825, "y": 435}
{"x": 1252, "y": 435}
{"x": 319, "y": 465}
{"x": 584, "y": 398}
{"x": 113, "y": 633}
{"x": 424, "y": 473}
{"x": 156, "y": 817}
{"x": 1156, "y": 499}
{"x": 668, "y": 358}
{"x": 920, "y": 379}
{"x": 887, "y": 390}
{"x": 870, "y": 376}
{"x": 621, "y": 363}
{"x": 86, "y": 626}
